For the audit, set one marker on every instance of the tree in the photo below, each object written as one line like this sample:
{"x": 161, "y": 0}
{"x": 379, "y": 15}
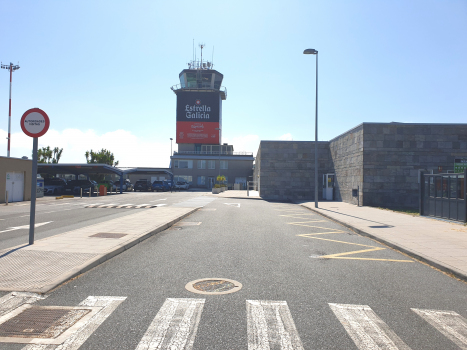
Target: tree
{"x": 102, "y": 157}
{"x": 49, "y": 156}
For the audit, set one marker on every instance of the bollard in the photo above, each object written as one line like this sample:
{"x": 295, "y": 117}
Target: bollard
{"x": 6, "y": 197}
{"x": 81, "y": 192}
{"x": 89, "y": 191}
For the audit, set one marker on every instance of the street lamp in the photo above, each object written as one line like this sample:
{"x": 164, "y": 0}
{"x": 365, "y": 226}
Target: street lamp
{"x": 314, "y": 52}
{"x": 171, "y": 146}
{"x": 11, "y": 68}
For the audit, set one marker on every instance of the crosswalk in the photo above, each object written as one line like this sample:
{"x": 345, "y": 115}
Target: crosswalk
{"x": 124, "y": 206}
{"x": 270, "y": 324}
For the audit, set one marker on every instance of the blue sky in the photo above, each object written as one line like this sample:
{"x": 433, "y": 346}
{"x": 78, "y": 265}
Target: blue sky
{"x": 102, "y": 70}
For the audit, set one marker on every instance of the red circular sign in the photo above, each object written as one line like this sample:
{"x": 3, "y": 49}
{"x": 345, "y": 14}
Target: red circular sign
{"x": 35, "y": 122}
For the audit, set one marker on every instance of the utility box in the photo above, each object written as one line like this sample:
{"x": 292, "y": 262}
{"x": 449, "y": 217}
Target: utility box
{"x": 103, "y": 190}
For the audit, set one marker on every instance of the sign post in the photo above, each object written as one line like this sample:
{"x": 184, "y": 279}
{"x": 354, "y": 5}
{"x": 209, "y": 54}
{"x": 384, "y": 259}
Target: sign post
{"x": 34, "y": 123}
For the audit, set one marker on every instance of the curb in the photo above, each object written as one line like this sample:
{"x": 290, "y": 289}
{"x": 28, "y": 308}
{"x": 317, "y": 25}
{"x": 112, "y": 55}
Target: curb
{"x": 425, "y": 259}
{"x": 90, "y": 264}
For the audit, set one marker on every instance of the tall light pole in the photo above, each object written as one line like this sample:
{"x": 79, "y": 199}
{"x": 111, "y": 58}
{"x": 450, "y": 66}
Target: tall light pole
{"x": 12, "y": 68}
{"x": 315, "y": 52}
{"x": 171, "y": 146}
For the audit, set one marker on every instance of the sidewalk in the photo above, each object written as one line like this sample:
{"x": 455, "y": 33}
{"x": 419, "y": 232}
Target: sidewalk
{"x": 51, "y": 261}
{"x": 439, "y": 243}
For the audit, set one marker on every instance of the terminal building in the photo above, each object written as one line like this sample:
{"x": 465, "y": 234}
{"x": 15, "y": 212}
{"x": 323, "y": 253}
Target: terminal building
{"x": 201, "y": 155}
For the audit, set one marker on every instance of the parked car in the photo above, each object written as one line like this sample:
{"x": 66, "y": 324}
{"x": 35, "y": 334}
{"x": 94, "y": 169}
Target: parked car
{"x": 182, "y": 185}
{"x": 127, "y": 185}
{"x": 74, "y": 187}
{"x": 143, "y": 185}
{"x": 54, "y": 186}
{"x": 160, "y": 186}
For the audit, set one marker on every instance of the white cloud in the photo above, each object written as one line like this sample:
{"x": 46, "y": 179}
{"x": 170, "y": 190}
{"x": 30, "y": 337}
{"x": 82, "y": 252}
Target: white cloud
{"x": 247, "y": 143}
{"x": 127, "y": 148}
{"x": 286, "y": 137}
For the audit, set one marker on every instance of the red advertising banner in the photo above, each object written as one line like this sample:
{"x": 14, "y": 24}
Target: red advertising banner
{"x": 198, "y": 132}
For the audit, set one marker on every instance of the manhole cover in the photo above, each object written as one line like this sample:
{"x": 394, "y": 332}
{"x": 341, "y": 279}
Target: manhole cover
{"x": 108, "y": 235}
{"x": 214, "y": 286}
{"x": 41, "y": 322}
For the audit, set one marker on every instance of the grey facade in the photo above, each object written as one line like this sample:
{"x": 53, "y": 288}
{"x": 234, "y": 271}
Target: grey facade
{"x": 381, "y": 159}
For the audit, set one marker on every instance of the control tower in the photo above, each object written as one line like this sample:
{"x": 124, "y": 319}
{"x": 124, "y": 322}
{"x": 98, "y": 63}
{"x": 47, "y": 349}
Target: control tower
{"x": 199, "y": 105}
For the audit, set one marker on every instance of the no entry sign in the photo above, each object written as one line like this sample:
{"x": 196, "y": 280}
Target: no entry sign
{"x": 35, "y": 122}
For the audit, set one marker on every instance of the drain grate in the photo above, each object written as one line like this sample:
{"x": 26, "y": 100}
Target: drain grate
{"x": 108, "y": 235}
{"x": 41, "y": 322}
{"x": 213, "y": 286}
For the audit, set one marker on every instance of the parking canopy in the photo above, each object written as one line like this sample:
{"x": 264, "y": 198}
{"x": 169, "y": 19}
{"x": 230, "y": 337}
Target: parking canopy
{"x": 77, "y": 169}
{"x": 147, "y": 171}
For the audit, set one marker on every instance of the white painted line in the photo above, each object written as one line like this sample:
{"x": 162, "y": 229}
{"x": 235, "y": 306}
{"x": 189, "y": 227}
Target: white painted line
{"x": 24, "y": 227}
{"x": 450, "y": 323}
{"x": 48, "y": 212}
{"x": 160, "y": 205}
{"x": 13, "y": 300}
{"x": 366, "y": 329}
{"x": 234, "y": 204}
{"x": 76, "y": 339}
{"x": 164, "y": 199}
{"x": 270, "y": 326}
{"x": 141, "y": 205}
{"x": 123, "y": 205}
{"x": 174, "y": 326}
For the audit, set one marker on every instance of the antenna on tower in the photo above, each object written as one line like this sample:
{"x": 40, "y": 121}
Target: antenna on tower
{"x": 193, "y": 49}
{"x": 212, "y": 59}
{"x": 202, "y": 46}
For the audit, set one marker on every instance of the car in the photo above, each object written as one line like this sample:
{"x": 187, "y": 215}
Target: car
{"x": 127, "y": 185}
{"x": 143, "y": 185}
{"x": 160, "y": 186}
{"x": 182, "y": 185}
{"x": 54, "y": 186}
{"x": 74, "y": 187}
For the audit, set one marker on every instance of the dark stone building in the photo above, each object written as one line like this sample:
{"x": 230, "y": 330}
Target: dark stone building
{"x": 382, "y": 160}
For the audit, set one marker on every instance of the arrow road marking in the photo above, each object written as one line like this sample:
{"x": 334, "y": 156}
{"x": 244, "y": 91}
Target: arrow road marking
{"x": 24, "y": 227}
{"x": 233, "y": 204}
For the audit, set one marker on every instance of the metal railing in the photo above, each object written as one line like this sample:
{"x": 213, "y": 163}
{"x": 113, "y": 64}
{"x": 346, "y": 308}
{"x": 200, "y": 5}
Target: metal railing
{"x": 216, "y": 153}
{"x": 204, "y": 86}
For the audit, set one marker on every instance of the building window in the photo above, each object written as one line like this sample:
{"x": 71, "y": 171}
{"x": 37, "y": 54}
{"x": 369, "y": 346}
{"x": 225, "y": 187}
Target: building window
{"x": 183, "y": 164}
{"x": 224, "y": 164}
{"x": 211, "y": 164}
{"x": 201, "y": 180}
{"x": 201, "y": 164}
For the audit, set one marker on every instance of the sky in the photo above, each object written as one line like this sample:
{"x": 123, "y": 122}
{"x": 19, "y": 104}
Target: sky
{"x": 102, "y": 70}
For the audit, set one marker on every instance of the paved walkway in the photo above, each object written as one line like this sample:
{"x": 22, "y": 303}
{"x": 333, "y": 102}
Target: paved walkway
{"x": 442, "y": 244}
{"x": 51, "y": 261}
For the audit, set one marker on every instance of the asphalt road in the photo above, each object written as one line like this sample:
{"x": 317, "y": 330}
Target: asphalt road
{"x": 275, "y": 250}
{"x": 57, "y": 216}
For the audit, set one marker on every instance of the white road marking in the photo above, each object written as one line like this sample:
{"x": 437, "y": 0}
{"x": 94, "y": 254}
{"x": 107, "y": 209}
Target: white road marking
{"x": 160, "y": 205}
{"x": 233, "y": 204}
{"x": 174, "y": 326}
{"x": 450, "y": 323}
{"x": 123, "y": 205}
{"x": 270, "y": 326}
{"x": 24, "y": 227}
{"x": 13, "y": 300}
{"x": 164, "y": 199}
{"x": 108, "y": 304}
{"x": 141, "y": 205}
{"x": 366, "y": 329}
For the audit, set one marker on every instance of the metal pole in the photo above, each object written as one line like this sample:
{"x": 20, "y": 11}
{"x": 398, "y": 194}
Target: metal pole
{"x": 9, "y": 113}
{"x": 6, "y": 197}
{"x": 316, "y": 136}
{"x": 32, "y": 214}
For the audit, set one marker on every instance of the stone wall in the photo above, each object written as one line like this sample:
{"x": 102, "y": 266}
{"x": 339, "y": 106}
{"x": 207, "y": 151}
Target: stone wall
{"x": 393, "y": 153}
{"x": 286, "y": 169}
{"x": 347, "y": 156}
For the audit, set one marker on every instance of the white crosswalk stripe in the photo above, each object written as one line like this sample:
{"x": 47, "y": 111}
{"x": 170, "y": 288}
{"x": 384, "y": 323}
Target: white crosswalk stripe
{"x": 174, "y": 326}
{"x": 270, "y": 326}
{"x": 366, "y": 329}
{"x": 74, "y": 341}
{"x": 13, "y": 300}
{"x": 450, "y": 323}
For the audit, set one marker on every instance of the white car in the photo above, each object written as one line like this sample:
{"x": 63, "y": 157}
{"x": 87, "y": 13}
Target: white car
{"x": 181, "y": 185}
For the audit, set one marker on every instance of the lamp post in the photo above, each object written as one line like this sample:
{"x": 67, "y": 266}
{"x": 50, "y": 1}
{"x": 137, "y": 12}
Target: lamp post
{"x": 11, "y": 68}
{"x": 315, "y": 52}
{"x": 171, "y": 146}
{"x": 171, "y": 165}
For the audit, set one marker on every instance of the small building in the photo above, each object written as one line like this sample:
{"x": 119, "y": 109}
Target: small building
{"x": 382, "y": 161}
{"x": 15, "y": 178}
{"x": 201, "y": 167}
